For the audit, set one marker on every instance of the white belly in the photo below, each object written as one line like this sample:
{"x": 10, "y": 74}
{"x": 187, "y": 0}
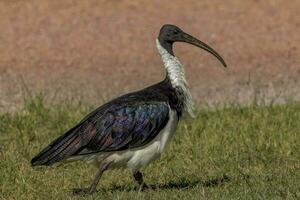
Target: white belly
{"x": 134, "y": 159}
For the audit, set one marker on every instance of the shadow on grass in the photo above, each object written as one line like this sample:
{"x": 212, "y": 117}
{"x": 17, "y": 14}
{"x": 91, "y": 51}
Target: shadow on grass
{"x": 181, "y": 184}
{"x": 187, "y": 184}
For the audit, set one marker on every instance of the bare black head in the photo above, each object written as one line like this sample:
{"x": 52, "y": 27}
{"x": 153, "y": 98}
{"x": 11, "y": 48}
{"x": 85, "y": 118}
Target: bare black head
{"x": 170, "y": 33}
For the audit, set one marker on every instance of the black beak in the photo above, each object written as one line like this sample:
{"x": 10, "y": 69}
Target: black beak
{"x": 194, "y": 41}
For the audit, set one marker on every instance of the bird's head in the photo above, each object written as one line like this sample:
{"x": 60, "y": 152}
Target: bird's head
{"x": 170, "y": 33}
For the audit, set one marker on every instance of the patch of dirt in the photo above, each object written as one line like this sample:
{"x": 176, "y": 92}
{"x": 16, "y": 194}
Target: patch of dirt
{"x": 101, "y": 49}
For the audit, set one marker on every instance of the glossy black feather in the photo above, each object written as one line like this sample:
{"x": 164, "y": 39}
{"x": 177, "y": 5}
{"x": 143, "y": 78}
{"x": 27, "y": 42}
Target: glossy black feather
{"x": 129, "y": 121}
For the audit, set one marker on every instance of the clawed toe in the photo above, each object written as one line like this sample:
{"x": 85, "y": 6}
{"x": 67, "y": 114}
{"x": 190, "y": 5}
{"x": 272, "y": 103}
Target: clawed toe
{"x": 143, "y": 187}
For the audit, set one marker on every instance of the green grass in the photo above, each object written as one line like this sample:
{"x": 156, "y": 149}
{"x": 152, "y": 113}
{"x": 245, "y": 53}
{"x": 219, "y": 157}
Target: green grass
{"x": 228, "y": 153}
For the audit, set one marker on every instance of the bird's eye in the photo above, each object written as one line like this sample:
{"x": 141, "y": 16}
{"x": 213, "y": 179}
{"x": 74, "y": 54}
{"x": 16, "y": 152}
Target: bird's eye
{"x": 175, "y": 32}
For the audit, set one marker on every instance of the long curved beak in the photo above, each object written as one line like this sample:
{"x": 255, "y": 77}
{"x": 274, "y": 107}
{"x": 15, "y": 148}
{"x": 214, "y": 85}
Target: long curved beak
{"x": 194, "y": 41}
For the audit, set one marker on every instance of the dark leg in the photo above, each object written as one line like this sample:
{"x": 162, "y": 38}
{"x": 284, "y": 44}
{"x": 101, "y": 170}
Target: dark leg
{"x": 92, "y": 188}
{"x": 138, "y": 176}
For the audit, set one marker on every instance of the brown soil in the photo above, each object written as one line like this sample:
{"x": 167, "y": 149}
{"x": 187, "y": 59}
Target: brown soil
{"x": 104, "y": 48}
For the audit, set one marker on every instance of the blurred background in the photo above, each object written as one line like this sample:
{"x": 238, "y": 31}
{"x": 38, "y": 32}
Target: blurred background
{"x": 99, "y": 49}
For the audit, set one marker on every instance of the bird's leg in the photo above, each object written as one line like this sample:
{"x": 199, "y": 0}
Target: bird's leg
{"x": 92, "y": 188}
{"x": 138, "y": 176}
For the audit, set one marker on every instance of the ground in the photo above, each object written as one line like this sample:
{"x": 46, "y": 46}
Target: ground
{"x": 229, "y": 153}
{"x": 100, "y": 49}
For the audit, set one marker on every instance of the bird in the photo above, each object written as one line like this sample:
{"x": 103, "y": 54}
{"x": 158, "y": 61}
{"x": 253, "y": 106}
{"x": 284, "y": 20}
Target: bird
{"x": 134, "y": 129}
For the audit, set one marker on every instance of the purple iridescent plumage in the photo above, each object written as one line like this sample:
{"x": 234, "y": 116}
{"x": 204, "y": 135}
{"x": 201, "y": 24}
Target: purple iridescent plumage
{"x": 118, "y": 128}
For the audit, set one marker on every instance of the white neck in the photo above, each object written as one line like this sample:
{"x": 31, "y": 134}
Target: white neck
{"x": 176, "y": 74}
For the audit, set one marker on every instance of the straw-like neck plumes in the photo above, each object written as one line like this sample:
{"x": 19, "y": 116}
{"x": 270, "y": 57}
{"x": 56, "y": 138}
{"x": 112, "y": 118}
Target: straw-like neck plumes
{"x": 175, "y": 73}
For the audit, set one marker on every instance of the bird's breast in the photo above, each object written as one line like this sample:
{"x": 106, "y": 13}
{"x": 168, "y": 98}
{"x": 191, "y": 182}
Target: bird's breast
{"x": 142, "y": 156}
{"x": 153, "y": 150}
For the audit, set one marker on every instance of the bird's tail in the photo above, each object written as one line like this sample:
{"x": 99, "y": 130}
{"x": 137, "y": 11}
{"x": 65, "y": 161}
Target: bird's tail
{"x": 60, "y": 149}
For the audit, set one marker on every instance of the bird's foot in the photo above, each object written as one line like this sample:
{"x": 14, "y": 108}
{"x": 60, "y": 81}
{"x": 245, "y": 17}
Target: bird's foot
{"x": 143, "y": 187}
{"x": 83, "y": 191}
